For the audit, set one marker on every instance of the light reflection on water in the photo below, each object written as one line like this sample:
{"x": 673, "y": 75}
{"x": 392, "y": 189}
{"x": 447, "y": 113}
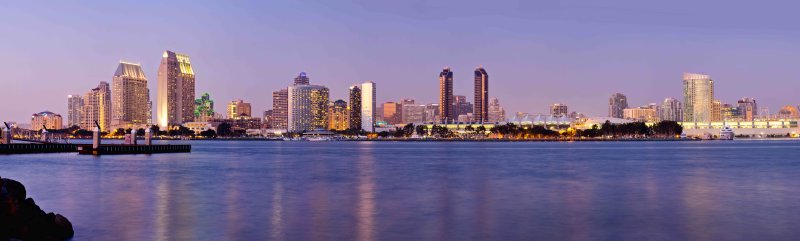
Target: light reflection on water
{"x": 425, "y": 191}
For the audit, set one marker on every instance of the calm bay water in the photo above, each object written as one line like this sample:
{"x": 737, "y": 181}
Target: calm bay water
{"x": 740, "y": 190}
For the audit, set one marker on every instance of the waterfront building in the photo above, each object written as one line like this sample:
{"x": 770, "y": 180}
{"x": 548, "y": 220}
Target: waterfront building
{"x": 481, "y": 111}
{"x": 239, "y": 109}
{"x": 446, "y": 96}
{"x": 46, "y": 119}
{"x": 716, "y": 111}
{"x": 74, "y": 108}
{"x": 280, "y": 109}
{"x": 730, "y": 112}
{"x": 199, "y": 126}
{"x": 354, "y": 107}
{"x": 743, "y": 128}
{"x": 789, "y": 112}
{"x": 698, "y": 97}
{"x": 616, "y": 104}
{"x": 204, "y": 108}
{"x": 308, "y": 107}
{"x": 392, "y": 113}
{"x": 558, "y": 110}
{"x": 496, "y": 112}
{"x": 176, "y": 86}
{"x": 130, "y": 97}
{"x": 748, "y": 108}
{"x": 368, "y": 105}
{"x": 338, "y": 116}
{"x": 302, "y": 79}
{"x": 671, "y": 110}
{"x": 645, "y": 113}
{"x": 97, "y": 108}
{"x": 432, "y": 114}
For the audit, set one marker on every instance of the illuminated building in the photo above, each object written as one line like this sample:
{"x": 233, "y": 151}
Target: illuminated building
{"x": 46, "y": 119}
{"x": 354, "y": 107}
{"x": 308, "y": 107}
{"x": 301, "y": 79}
{"x": 239, "y": 109}
{"x": 789, "y": 112}
{"x": 176, "y": 85}
{"x": 671, "y": 110}
{"x": 74, "y": 108}
{"x": 392, "y": 113}
{"x": 748, "y": 109}
{"x": 716, "y": 111}
{"x": 698, "y": 97}
{"x": 97, "y": 108}
{"x": 558, "y": 110}
{"x": 338, "y": 116}
{"x": 730, "y": 112}
{"x": 204, "y": 108}
{"x": 496, "y": 112}
{"x": 616, "y": 104}
{"x": 413, "y": 113}
{"x": 130, "y": 97}
{"x": 368, "y": 106}
{"x": 432, "y": 114}
{"x": 280, "y": 109}
{"x": 481, "y": 111}
{"x": 446, "y": 96}
{"x": 640, "y": 114}
{"x": 461, "y": 106}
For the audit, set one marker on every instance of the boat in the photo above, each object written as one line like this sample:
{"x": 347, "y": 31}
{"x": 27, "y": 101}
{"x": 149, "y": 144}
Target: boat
{"x": 726, "y": 133}
{"x": 319, "y": 138}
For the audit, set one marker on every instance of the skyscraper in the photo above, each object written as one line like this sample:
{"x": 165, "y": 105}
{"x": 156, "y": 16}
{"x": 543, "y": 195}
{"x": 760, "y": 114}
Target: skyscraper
{"x": 238, "y": 109}
{"x": 616, "y": 104}
{"x": 496, "y": 112}
{"x": 558, "y": 110}
{"x": 301, "y": 79}
{"x": 308, "y": 107}
{"x": 671, "y": 110}
{"x": 432, "y": 114}
{"x": 280, "y": 109}
{"x": 716, "y": 111}
{"x": 354, "y": 107}
{"x": 461, "y": 106}
{"x": 74, "y": 108}
{"x": 129, "y": 97}
{"x": 176, "y": 86}
{"x": 446, "y": 96}
{"x": 481, "y": 112}
{"x": 748, "y": 109}
{"x": 338, "y": 115}
{"x": 698, "y": 97}
{"x": 97, "y": 108}
{"x": 368, "y": 106}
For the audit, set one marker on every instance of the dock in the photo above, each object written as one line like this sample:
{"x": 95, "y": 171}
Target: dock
{"x": 132, "y": 149}
{"x": 29, "y": 148}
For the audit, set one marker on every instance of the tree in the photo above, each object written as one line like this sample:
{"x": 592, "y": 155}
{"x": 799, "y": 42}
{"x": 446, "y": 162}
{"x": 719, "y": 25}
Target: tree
{"x": 208, "y": 133}
{"x": 408, "y": 130}
{"x": 422, "y": 130}
{"x": 224, "y": 129}
{"x": 469, "y": 129}
{"x": 481, "y": 130}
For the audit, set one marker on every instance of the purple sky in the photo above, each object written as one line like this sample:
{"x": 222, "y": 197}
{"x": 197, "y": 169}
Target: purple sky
{"x": 536, "y": 52}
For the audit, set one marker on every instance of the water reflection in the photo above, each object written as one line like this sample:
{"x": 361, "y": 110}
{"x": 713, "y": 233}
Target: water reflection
{"x": 366, "y": 196}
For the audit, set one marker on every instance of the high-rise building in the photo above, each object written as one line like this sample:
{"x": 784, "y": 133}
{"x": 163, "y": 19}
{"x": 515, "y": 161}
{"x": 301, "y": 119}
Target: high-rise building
{"x": 308, "y": 107}
{"x": 432, "y": 114}
{"x": 338, "y": 116}
{"x": 280, "y": 109}
{"x": 392, "y": 113}
{"x": 645, "y": 113}
{"x": 97, "y": 108}
{"x": 748, "y": 108}
{"x": 461, "y": 106}
{"x": 204, "y": 108}
{"x": 730, "y": 112}
{"x": 130, "y": 97}
{"x": 446, "y": 96}
{"x": 74, "y": 108}
{"x": 176, "y": 86}
{"x": 496, "y": 112}
{"x": 46, "y": 119}
{"x": 671, "y": 110}
{"x": 238, "y": 109}
{"x": 354, "y": 107}
{"x": 698, "y": 97}
{"x": 716, "y": 111}
{"x": 558, "y": 110}
{"x": 368, "y": 106}
{"x": 302, "y": 79}
{"x": 481, "y": 112}
{"x": 412, "y": 113}
{"x": 616, "y": 104}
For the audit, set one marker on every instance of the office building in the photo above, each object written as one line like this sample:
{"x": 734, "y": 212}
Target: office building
{"x": 481, "y": 112}
{"x": 698, "y": 97}
{"x": 308, "y": 107}
{"x": 392, "y": 113}
{"x": 74, "y": 108}
{"x": 461, "y": 106}
{"x": 130, "y": 97}
{"x": 748, "y": 108}
{"x": 176, "y": 86}
{"x": 97, "y": 108}
{"x": 354, "y": 107}
{"x": 496, "y": 112}
{"x": 46, "y": 119}
{"x": 671, "y": 110}
{"x": 432, "y": 114}
{"x": 446, "y": 96}
{"x": 302, "y": 79}
{"x": 616, "y": 104}
{"x": 280, "y": 109}
{"x": 338, "y": 116}
{"x": 558, "y": 110}
{"x": 716, "y": 111}
{"x": 368, "y": 106}
{"x": 238, "y": 109}
{"x": 412, "y": 113}
{"x": 645, "y": 113}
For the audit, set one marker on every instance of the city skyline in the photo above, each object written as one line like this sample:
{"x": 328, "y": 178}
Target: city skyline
{"x": 537, "y": 68}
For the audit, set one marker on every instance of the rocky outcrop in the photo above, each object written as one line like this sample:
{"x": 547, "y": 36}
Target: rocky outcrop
{"x": 22, "y": 219}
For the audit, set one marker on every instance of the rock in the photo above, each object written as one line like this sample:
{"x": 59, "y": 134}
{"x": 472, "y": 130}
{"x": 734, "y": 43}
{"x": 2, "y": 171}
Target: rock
{"x": 21, "y": 218}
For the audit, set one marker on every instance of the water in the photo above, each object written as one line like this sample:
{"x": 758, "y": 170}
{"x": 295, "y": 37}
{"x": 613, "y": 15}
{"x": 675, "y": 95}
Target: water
{"x": 741, "y": 190}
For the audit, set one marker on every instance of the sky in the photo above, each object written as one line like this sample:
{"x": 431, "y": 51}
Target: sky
{"x": 536, "y": 52}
